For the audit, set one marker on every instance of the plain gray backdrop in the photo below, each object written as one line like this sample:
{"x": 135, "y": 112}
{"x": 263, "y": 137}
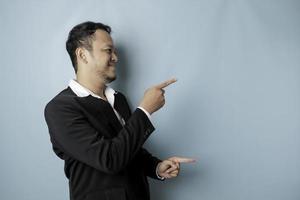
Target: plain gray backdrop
{"x": 235, "y": 107}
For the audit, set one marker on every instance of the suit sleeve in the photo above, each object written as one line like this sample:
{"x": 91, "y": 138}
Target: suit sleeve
{"x": 149, "y": 163}
{"x": 72, "y": 133}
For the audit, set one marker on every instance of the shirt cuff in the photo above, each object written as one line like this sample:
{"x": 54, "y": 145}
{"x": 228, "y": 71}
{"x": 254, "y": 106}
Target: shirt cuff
{"x": 158, "y": 176}
{"x": 146, "y": 112}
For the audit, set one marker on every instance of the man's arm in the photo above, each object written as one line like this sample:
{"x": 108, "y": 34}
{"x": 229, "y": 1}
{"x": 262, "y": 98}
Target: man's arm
{"x": 73, "y": 134}
{"x": 149, "y": 163}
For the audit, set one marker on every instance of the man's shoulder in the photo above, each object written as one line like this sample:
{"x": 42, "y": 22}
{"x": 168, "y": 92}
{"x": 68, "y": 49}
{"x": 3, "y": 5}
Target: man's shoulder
{"x": 65, "y": 97}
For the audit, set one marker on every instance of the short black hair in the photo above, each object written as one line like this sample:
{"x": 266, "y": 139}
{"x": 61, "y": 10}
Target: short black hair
{"x": 82, "y": 35}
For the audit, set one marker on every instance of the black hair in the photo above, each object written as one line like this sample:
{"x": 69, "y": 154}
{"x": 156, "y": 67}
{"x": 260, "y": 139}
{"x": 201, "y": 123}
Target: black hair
{"x": 82, "y": 35}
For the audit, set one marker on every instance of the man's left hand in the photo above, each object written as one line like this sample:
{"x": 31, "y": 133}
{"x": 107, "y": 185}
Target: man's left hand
{"x": 170, "y": 167}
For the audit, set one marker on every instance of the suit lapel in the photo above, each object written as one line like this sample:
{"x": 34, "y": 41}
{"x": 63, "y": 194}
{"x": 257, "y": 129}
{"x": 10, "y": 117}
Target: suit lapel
{"x": 121, "y": 106}
{"x": 102, "y": 112}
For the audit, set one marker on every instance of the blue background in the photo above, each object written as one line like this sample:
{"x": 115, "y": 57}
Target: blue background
{"x": 235, "y": 107}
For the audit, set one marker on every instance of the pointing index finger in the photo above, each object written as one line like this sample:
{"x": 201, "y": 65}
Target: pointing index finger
{"x": 166, "y": 83}
{"x": 183, "y": 160}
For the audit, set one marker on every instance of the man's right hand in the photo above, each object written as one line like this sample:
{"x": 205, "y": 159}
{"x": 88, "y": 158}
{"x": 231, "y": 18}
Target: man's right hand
{"x": 154, "y": 97}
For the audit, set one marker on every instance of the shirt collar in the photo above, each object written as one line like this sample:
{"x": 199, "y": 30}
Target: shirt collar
{"x": 81, "y": 91}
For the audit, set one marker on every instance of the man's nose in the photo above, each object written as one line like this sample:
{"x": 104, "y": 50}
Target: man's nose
{"x": 114, "y": 57}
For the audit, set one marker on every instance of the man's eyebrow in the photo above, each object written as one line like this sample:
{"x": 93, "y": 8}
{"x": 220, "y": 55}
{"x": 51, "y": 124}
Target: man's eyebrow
{"x": 109, "y": 45}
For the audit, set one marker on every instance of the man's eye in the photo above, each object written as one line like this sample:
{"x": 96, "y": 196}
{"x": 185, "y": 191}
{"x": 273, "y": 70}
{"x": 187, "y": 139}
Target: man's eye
{"x": 108, "y": 50}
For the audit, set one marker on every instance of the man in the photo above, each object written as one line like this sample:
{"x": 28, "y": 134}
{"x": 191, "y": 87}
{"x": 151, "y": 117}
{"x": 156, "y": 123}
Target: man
{"x": 93, "y": 130}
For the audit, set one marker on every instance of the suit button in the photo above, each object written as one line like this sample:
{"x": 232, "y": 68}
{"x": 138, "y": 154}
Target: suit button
{"x": 147, "y": 131}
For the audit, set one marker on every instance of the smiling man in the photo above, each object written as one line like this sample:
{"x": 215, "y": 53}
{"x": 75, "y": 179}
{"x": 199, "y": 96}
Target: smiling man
{"x": 94, "y": 131}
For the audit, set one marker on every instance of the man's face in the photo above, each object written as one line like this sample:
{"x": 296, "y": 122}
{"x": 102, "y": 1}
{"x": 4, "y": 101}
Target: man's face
{"x": 102, "y": 59}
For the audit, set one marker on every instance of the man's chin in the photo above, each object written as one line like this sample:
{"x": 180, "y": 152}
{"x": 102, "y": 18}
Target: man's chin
{"x": 111, "y": 79}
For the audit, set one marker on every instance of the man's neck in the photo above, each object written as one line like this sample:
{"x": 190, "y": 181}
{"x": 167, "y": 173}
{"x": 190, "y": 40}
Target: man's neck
{"x": 94, "y": 85}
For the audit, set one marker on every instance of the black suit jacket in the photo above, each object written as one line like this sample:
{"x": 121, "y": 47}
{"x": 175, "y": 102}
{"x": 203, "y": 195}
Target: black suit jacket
{"x": 103, "y": 159}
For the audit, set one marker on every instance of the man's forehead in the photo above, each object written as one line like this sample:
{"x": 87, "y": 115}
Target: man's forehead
{"x": 103, "y": 37}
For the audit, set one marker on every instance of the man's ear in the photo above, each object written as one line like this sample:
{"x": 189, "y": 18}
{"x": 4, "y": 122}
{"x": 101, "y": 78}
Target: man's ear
{"x": 81, "y": 55}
